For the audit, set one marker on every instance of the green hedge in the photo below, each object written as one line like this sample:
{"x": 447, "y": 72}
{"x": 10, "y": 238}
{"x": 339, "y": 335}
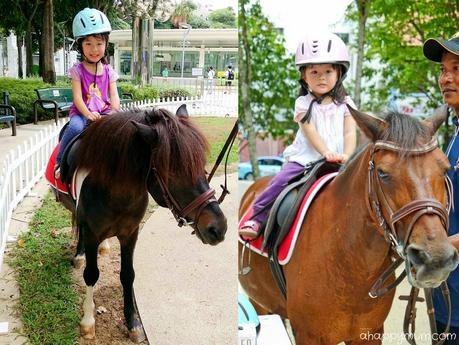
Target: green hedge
{"x": 22, "y": 95}
{"x": 150, "y": 92}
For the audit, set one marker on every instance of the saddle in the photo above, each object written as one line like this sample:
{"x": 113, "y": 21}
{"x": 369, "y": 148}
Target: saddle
{"x": 285, "y": 209}
{"x": 68, "y": 161}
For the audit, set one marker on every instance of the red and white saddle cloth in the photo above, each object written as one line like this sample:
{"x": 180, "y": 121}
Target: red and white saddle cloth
{"x": 288, "y": 244}
{"x": 77, "y": 179}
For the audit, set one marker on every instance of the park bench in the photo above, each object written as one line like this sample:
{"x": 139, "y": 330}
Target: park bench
{"x": 9, "y": 117}
{"x": 60, "y": 100}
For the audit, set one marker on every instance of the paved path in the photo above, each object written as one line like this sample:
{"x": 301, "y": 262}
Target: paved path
{"x": 186, "y": 291}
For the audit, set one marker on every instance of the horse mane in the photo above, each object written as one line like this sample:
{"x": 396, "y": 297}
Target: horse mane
{"x": 115, "y": 153}
{"x": 404, "y": 130}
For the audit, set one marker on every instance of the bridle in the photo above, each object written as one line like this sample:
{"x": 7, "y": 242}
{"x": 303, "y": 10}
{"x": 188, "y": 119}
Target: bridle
{"x": 204, "y": 199}
{"x": 376, "y": 203}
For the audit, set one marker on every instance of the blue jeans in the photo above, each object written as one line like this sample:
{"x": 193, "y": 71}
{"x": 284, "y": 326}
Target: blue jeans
{"x": 76, "y": 125}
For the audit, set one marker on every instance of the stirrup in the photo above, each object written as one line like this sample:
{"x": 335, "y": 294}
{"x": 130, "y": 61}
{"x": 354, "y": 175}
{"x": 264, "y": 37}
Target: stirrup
{"x": 244, "y": 270}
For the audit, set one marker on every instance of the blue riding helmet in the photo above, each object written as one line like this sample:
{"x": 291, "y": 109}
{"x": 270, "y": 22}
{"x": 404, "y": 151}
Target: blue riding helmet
{"x": 246, "y": 312}
{"x": 90, "y": 22}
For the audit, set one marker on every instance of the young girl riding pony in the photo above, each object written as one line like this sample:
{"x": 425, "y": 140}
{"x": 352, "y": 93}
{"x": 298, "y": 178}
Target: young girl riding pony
{"x": 326, "y": 126}
{"x": 94, "y": 86}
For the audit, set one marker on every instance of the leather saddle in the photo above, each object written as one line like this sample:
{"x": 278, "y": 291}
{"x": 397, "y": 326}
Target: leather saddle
{"x": 68, "y": 161}
{"x": 285, "y": 209}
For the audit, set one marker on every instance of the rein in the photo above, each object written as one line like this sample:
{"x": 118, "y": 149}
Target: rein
{"x": 417, "y": 208}
{"x": 225, "y": 149}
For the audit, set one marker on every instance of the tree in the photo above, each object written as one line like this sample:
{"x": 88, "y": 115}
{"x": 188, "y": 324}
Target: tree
{"x": 273, "y": 84}
{"x": 395, "y": 32}
{"x": 49, "y": 72}
{"x": 223, "y": 18}
{"x": 245, "y": 77}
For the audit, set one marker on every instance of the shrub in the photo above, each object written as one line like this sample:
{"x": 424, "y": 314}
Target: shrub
{"x": 22, "y": 95}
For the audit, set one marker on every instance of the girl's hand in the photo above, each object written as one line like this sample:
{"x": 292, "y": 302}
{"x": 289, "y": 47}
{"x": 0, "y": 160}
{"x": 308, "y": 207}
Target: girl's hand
{"x": 93, "y": 116}
{"x": 332, "y": 156}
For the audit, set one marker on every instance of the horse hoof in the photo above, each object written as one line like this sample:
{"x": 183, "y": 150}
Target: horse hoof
{"x": 88, "y": 332}
{"x": 78, "y": 261}
{"x": 137, "y": 335}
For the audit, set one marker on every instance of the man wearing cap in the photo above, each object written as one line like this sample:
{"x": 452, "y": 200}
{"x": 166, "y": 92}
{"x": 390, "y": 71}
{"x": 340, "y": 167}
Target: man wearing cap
{"x": 446, "y": 52}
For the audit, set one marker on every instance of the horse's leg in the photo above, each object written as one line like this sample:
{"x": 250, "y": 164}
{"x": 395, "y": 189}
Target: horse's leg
{"x": 90, "y": 275}
{"x": 79, "y": 259}
{"x": 127, "y": 274}
{"x": 104, "y": 247}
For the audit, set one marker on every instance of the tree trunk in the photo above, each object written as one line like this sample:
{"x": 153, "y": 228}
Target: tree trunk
{"x": 362, "y": 7}
{"x": 20, "y": 43}
{"x": 245, "y": 80}
{"x": 49, "y": 72}
{"x": 142, "y": 50}
{"x": 29, "y": 49}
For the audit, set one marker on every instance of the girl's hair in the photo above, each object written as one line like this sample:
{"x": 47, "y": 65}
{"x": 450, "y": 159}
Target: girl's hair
{"x": 103, "y": 36}
{"x": 338, "y": 93}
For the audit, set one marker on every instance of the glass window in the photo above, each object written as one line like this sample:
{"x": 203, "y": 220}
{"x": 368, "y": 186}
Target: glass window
{"x": 173, "y": 61}
{"x": 125, "y": 62}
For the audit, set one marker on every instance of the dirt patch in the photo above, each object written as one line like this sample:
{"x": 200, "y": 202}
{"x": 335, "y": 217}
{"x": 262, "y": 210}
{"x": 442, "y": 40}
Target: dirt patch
{"x": 108, "y": 295}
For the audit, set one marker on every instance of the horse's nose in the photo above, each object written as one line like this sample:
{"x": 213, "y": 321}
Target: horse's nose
{"x": 447, "y": 257}
{"x": 215, "y": 234}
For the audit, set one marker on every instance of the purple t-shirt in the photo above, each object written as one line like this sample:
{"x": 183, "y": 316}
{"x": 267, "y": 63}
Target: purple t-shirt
{"x": 95, "y": 95}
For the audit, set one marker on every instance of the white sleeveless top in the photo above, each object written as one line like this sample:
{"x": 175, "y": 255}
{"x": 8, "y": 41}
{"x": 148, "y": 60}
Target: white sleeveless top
{"x": 329, "y": 122}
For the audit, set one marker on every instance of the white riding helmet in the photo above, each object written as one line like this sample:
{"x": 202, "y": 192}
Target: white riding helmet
{"x": 318, "y": 48}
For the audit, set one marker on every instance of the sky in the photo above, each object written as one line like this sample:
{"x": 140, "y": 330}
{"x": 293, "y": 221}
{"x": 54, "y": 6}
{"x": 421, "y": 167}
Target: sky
{"x": 297, "y": 16}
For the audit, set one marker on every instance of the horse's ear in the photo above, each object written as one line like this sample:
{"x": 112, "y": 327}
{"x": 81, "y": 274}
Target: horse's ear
{"x": 147, "y": 133}
{"x": 181, "y": 111}
{"x": 438, "y": 117}
{"x": 370, "y": 125}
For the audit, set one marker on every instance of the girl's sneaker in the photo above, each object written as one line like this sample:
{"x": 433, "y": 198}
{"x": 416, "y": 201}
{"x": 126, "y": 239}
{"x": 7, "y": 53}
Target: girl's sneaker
{"x": 249, "y": 229}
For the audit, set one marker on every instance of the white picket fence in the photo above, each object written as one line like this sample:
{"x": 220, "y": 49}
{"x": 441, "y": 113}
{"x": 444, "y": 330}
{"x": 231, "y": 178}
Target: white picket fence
{"x": 216, "y": 104}
{"x": 22, "y": 169}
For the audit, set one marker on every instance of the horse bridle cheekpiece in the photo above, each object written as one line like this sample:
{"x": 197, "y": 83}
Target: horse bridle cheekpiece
{"x": 417, "y": 208}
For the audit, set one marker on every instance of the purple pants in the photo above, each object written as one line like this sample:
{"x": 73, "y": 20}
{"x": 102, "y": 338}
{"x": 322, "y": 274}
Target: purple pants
{"x": 277, "y": 184}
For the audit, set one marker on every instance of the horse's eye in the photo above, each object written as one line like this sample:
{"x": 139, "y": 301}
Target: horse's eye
{"x": 382, "y": 175}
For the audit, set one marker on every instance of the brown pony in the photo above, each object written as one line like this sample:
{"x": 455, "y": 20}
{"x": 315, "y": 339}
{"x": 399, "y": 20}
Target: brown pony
{"x": 125, "y": 157}
{"x": 341, "y": 250}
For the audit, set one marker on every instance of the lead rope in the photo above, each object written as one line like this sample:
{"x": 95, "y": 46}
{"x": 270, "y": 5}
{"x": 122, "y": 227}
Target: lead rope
{"x": 225, "y": 149}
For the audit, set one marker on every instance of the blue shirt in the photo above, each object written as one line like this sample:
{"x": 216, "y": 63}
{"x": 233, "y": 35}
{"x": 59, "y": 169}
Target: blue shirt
{"x": 441, "y": 311}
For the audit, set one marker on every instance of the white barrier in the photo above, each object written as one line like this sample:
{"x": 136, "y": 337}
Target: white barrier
{"x": 22, "y": 169}
{"x": 215, "y": 104}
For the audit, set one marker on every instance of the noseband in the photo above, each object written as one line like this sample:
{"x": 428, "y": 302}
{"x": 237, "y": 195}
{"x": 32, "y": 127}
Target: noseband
{"x": 418, "y": 207}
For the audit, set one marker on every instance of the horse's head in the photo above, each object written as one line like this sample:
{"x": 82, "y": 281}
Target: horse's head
{"x": 409, "y": 193}
{"x": 177, "y": 178}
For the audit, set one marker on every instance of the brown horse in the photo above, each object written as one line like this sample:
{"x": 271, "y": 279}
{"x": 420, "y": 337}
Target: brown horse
{"x": 341, "y": 250}
{"x": 125, "y": 157}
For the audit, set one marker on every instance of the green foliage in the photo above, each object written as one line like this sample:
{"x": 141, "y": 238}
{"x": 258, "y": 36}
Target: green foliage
{"x": 48, "y": 302}
{"x": 150, "y": 92}
{"x": 22, "y": 95}
{"x": 198, "y": 22}
{"x": 274, "y": 86}
{"x": 223, "y": 18}
{"x": 395, "y": 32}
{"x": 185, "y": 9}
